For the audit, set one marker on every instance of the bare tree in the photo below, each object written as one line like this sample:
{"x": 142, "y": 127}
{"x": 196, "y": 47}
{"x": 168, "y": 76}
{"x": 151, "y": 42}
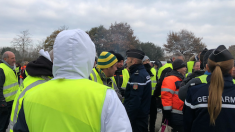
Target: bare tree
{"x": 22, "y": 42}
{"x": 184, "y": 42}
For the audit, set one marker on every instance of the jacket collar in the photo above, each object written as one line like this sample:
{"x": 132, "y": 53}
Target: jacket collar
{"x": 228, "y": 80}
{"x": 135, "y": 67}
{"x": 12, "y": 67}
{"x": 177, "y": 74}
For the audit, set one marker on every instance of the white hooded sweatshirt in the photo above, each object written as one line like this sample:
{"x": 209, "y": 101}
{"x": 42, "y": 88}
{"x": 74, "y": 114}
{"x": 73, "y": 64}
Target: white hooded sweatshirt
{"x": 74, "y": 56}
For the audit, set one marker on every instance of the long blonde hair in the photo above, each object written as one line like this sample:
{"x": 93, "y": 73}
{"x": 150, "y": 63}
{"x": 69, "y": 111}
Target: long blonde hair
{"x": 217, "y": 86}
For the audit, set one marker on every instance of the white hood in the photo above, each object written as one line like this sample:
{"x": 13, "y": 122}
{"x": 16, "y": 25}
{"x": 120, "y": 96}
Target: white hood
{"x": 45, "y": 54}
{"x": 74, "y": 55}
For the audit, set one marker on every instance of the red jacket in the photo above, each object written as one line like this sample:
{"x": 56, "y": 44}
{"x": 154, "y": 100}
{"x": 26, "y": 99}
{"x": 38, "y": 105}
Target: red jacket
{"x": 169, "y": 94}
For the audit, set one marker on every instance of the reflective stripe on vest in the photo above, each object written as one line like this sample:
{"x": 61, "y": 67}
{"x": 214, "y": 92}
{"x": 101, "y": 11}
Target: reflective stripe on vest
{"x": 163, "y": 68}
{"x": 203, "y": 78}
{"x": 10, "y": 85}
{"x": 77, "y": 108}
{"x": 126, "y": 77}
{"x": 96, "y": 78}
{"x": 190, "y": 66}
{"x": 28, "y": 84}
{"x": 153, "y": 79}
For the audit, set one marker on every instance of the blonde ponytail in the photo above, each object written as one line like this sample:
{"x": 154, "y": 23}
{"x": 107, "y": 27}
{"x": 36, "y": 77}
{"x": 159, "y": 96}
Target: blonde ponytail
{"x": 215, "y": 92}
{"x": 217, "y": 86}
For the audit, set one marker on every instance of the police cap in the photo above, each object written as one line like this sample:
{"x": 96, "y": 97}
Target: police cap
{"x": 135, "y": 54}
{"x": 220, "y": 54}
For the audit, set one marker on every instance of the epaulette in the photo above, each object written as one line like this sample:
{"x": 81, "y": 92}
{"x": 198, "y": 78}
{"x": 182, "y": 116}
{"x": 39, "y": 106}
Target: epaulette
{"x": 137, "y": 72}
{"x": 192, "y": 84}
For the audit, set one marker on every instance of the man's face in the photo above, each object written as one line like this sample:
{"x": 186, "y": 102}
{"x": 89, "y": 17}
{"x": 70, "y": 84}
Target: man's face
{"x": 146, "y": 61}
{"x": 233, "y": 72}
{"x": 129, "y": 62}
{"x": 120, "y": 64}
{"x": 111, "y": 70}
{"x": 11, "y": 59}
{"x": 182, "y": 70}
{"x": 196, "y": 67}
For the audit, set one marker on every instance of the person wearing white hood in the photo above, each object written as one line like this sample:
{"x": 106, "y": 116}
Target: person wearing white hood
{"x": 71, "y": 102}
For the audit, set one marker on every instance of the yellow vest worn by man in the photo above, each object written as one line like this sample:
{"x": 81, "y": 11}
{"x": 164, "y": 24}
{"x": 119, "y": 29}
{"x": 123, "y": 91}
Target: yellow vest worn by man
{"x": 10, "y": 86}
{"x": 126, "y": 76}
{"x": 153, "y": 79}
{"x": 77, "y": 108}
{"x": 29, "y": 84}
{"x": 190, "y": 66}
{"x": 162, "y": 68}
{"x": 96, "y": 78}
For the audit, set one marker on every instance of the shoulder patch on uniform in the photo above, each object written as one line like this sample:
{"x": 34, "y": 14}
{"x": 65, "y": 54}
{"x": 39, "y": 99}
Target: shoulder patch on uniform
{"x": 192, "y": 84}
{"x": 135, "y": 86}
{"x": 137, "y": 72}
{"x": 148, "y": 77}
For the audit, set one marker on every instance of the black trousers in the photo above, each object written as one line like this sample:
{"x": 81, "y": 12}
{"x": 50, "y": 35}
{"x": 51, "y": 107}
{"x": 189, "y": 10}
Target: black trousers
{"x": 5, "y": 118}
{"x": 140, "y": 125}
{"x": 153, "y": 114}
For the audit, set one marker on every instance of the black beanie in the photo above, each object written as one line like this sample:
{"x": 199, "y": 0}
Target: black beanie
{"x": 202, "y": 56}
{"x": 111, "y": 52}
{"x": 119, "y": 57}
{"x": 206, "y": 56}
{"x": 220, "y": 54}
{"x": 177, "y": 64}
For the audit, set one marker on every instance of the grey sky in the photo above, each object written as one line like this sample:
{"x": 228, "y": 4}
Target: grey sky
{"x": 151, "y": 20}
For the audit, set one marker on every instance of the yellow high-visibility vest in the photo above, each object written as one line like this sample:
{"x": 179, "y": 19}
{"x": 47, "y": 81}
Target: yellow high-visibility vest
{"x": 10, "y": 85}
{"x": 65, "y": 105}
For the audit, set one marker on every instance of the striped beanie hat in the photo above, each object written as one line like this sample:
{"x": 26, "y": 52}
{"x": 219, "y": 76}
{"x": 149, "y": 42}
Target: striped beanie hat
{"x": 106, "y": 60}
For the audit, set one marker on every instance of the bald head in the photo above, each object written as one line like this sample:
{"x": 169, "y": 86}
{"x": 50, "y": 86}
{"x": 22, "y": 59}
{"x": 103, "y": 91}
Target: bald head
{"x": 9, "y": 57}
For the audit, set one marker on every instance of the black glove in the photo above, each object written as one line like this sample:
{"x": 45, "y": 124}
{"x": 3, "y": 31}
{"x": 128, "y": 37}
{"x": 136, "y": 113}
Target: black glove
{"x": 167, "y": 115}
{"x": 3, "y": 106}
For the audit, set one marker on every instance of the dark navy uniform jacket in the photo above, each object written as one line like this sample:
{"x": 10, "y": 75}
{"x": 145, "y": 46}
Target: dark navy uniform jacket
{"x": 196, "y": 116}
{"x": 138, "y": 93}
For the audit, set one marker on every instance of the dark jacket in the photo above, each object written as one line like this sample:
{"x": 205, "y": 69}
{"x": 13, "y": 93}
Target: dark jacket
{"x": 138, "y": 93}
{"x": 196, "y": 116}
{"x": 191, "y": 76}
{"x": 184, "y": 89}
{"x": 148, "y": 69}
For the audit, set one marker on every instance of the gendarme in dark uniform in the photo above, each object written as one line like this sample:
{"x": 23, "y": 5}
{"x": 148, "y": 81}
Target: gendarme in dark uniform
{"x": 196, "y": 115}
{"x": 138, "y": 92}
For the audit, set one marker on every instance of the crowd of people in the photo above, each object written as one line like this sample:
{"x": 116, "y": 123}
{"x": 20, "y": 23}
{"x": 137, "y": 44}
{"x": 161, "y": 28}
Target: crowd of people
{"x": 71, "y": 89}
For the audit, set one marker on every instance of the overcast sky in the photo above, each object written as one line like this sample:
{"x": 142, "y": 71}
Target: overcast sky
{"x": 151, "y": 20}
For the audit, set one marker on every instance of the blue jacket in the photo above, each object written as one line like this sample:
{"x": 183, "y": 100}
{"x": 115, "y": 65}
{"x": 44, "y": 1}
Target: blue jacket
{"x": 196, "y": 116}
{"x": 138, "y": 93}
